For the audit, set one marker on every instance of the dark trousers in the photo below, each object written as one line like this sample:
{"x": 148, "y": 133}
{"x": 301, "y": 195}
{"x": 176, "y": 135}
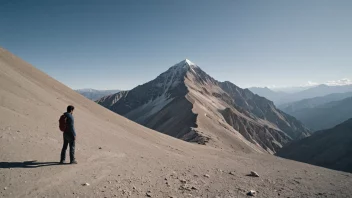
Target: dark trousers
{"x": 68, "y": 140}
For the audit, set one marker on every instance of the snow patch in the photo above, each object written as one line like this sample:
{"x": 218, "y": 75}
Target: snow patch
{"x": 190, "y": 62}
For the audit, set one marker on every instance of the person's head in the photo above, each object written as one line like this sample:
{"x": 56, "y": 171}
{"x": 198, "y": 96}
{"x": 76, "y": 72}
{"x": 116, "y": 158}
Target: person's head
{"x": 70, "y": 109}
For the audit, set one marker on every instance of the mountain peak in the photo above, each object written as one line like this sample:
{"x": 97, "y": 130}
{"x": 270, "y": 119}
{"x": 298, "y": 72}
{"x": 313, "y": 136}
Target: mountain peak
{"x": 186, "y": 63}
{"x": 189, "y": 62}
{"x": 182, "y": 66}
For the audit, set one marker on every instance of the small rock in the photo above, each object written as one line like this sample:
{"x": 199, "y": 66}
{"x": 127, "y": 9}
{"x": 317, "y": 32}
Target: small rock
{"x": 232, "y": 173}
{"x": 206, "y": 175}
{"x": 252, "y": 193}
{"x": 185, "y": 187}
{"x": 86, "y": 184}
{"x": 254, "y": 174}
{"x": 5, "y": 188}
{"x": 183, "y": 181}
{"x": 194, "y": 188}
{"x": 100, "y": 148}
{"x": 149, "y": 194}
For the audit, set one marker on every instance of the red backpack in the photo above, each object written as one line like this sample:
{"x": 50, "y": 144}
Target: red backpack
{"x": 62, "y": 123}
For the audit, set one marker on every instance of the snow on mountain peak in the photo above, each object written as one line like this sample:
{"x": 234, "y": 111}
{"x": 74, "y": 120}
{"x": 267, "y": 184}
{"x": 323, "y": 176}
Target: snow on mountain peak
{"x": 185, "y": 64}
{"x": 189, "y": 62}
{"x": 175, "y": 74}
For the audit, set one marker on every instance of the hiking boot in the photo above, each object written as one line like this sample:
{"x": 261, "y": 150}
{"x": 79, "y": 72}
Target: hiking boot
{"x": 73, "y": 162}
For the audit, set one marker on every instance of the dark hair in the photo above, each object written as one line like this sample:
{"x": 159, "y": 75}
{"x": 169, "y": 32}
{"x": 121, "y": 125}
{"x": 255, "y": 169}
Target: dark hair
{"x": 70, "y": 108}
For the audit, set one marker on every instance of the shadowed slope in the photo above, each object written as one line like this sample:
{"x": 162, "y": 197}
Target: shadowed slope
{"x": 331, "y": 148}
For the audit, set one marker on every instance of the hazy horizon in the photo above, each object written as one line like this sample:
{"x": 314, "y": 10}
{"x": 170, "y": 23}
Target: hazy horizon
{"x": 119, "y": 45}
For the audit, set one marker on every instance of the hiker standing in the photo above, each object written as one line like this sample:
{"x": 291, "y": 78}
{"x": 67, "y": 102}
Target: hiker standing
{"x": 67, "y": 126}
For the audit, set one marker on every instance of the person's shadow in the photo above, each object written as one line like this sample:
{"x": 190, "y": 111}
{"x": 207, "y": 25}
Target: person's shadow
{"x": 27, "y": 164}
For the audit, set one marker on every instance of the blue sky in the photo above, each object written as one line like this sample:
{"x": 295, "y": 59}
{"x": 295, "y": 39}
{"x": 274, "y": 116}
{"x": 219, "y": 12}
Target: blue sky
{"x": 121, "y": 44}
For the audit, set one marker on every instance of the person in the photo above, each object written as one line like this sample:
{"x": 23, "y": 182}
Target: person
{"x": 69, "y": 137}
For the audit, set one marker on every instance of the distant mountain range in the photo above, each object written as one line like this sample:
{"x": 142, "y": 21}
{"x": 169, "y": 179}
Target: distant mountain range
{"x": 281, "y": 98}
{"x": 317, "y": 91}
{"x": 317, "y": 115}
{"x": 331, "y": 148}
{"x": 291, "y": 108}
{"x": 291, "y": 90}
{"x": 94, "y": 94}
{"x": 187, "y": 103}
{"x": 272, "y": 95}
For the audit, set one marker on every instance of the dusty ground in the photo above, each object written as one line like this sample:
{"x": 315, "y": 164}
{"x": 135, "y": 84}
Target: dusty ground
{"x": 133, "y": 160}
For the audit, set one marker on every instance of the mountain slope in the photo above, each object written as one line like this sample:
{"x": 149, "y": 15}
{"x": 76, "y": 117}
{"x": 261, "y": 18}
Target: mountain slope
{"x": 94, "y": 94}
{"x": 187, "y": 103}
{"x": 331, "y": 148}
{"x": 133, "y": 160}
{"x": 326, "y": 115}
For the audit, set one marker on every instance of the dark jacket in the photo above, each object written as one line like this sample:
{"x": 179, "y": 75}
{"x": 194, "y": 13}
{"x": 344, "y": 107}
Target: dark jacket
{"x": 70, "y": 124}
